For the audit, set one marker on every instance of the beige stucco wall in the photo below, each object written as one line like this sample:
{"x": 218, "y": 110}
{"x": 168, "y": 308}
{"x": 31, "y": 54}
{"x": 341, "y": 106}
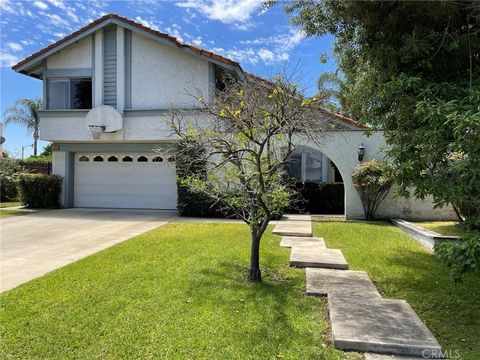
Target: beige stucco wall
{"x": 341, "y": 147}
{"x": 76, "y": 56}
{"x": 135, "y": 128}
{"x": 162, "y": 74}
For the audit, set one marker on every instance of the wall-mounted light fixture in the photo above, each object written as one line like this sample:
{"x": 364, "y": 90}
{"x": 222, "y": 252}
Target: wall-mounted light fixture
{"x": 361, "y": 152}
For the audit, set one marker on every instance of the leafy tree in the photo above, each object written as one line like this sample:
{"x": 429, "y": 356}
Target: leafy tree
{"x": 412, "y": 70}
{"x": 373, "y": 180}
{"x": 329, "y": 85}
{"x": 25, "y": 112}
{"x": 47, "y": 150}
{"x": 9, "y": 169}
{"x": 246, "y": 136}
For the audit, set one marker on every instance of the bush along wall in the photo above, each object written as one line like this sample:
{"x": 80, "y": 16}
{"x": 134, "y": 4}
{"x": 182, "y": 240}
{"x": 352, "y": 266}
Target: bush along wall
{"x": 40, "y": 191}
{"x": 319, "y": 198}
{"x": 9, "y": 169}
{"x": 194, "y": 204}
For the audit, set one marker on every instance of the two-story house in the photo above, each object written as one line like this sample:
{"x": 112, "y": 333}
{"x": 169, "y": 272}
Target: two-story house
{"x": 116, "y": 79}
{"x": 108, "y": 89}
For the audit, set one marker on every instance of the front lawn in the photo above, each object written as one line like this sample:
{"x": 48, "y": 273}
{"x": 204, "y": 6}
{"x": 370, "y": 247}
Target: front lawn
{"x": 403, "y": 269}
{"x": 10, "y": 213}
{"x": 5, "y": 204}
{"x": 442, "y": 227}
{"x": 177, "y": 292}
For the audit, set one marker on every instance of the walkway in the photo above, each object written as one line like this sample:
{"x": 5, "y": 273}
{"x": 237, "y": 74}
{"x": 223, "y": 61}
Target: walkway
{"x": 35, "y": 244}
{"x": 361, "y": 319}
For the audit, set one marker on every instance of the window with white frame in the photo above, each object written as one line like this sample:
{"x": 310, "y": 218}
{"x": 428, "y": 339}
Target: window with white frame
{"x": 69, "y": 93}
{"x": 306, "y": 165}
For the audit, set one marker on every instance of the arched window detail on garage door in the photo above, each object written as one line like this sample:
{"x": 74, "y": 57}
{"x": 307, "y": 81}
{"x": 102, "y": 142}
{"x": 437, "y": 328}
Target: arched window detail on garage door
{"x": 98, "y": 158}
{"x": 112, "y": 159}
{"x": 83, "y": 158}
{"x": 142, "y": 159}
{"x": 127, "y": 159}
{"x": 157, "y": 159}
{"x": 171, "y": 159}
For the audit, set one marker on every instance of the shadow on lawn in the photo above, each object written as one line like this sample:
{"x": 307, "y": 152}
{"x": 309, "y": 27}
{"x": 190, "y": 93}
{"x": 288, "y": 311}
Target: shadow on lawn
{"x": 273, "y": 299}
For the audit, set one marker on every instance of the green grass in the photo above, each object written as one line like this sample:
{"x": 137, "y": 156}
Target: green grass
{"x": 177, "y": 292}
{"x": 10, "y": 213}
{"x": 402, "y": 269}
{"x": 4, "y": 204}
{"x": 442, "y": 227}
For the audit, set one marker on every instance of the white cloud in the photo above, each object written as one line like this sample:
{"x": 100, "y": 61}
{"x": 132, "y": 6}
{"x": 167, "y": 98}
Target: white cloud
{"x": 14, "y": 46}
{"x": 56, "y": 20}
{"x": 269, "y": 50}
{"x": 59, "y": 34}
{"x": 266, "y": 55}
{"x": 7, "y": 6}
{"x": 174, "y": 30}
{"x": 7, "y": 60}
{"x": 27, "y": 42}
{"x": 226, "y": 11}
{"x": 147, "y": 23}
{"x": 198, "y": 41}
{"x": 40, "y": 4}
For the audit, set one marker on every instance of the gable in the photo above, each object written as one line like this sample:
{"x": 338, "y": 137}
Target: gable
{"x": 32, "y": 64}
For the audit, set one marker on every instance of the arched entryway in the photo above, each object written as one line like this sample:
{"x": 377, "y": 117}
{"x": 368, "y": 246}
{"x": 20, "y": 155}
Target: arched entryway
{"x": 318, "y": 182}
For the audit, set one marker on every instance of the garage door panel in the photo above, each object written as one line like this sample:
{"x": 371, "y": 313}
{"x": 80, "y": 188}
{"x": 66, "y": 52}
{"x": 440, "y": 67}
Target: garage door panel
{"x": 144, "y": 185}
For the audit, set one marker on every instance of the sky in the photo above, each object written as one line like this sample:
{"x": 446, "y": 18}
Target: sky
{"x": 263, "y": 41}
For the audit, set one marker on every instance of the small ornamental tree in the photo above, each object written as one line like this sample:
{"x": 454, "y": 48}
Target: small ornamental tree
{"x": 373, "y": 181}
{"x": 246, "y": 139}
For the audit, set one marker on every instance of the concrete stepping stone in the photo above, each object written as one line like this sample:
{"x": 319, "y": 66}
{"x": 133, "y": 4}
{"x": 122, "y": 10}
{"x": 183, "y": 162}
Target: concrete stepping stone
{"x": 294, "y": 225}
{"x": 318, "y": 257}
{"x": 385, "y": 327}
{"x": 344, "y": 284}
{"x": 373, "y": 356}
{"x": 289, "y": 241}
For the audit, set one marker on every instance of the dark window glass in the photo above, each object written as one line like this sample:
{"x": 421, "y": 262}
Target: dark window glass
{"x": 171, "y": 159}
{"x": 127, "y": 159}
{"x": 112, "y": 159}
{"x": 98, "y": 159}
{"x": 81, "y": 93}
{"x": 142, "y": 159}
{"x": 157, "y": 159}
{"x": 83, "y": 158}
{"x": 294, "y": 166}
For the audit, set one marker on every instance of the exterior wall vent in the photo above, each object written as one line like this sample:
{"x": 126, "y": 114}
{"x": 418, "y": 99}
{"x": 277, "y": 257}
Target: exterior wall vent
{"x": 110, "y": 66}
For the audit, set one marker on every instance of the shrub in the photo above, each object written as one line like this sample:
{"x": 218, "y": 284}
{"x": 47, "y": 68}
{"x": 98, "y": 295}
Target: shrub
{"x": 39, "y": 191}
{"x": 197, "y": 204}
{"x": 373, "y": 181}
{"x": 319, "y": 198}
{"x": 462, "y": 256}
{"x": 8, "y": 179}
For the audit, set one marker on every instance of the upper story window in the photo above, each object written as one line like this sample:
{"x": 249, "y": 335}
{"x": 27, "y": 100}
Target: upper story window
{"x": 74, "y": 93}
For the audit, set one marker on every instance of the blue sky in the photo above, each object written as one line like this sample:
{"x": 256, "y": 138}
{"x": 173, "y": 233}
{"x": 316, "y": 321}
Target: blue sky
{"x": 262, "y": 41}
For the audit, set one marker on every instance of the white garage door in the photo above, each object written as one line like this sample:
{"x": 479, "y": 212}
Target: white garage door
{"x": 132, "y": 181}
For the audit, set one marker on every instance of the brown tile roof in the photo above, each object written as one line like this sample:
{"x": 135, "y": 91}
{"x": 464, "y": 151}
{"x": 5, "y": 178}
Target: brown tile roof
{"x": 125, "y": 20}
{"x": 345, "y": 119}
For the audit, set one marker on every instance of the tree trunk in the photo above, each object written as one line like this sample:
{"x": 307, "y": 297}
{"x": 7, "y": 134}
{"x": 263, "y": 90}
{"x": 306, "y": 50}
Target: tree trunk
{"x": 254, "y": 273}
{"x": 35, "y": 140}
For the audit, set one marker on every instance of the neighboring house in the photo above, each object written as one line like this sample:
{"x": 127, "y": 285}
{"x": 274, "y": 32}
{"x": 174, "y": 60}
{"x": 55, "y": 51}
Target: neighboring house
{"x": 122, "y": 78}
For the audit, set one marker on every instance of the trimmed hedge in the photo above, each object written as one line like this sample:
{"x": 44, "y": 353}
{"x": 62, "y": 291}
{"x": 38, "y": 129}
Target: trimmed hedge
{"x": 39, "y": 191}
{"x": 319, "y": 198}
{"x": 197, "y": 205}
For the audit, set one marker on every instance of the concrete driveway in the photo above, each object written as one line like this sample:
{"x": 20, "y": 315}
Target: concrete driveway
{"x": 33, "y": 245}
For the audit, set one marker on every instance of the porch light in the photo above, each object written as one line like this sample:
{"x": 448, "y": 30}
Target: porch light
{"x": 361, "y": 152}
